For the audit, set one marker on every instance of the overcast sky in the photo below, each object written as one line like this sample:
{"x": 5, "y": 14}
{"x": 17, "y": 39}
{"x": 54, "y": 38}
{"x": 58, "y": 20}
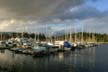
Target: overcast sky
{"x": 58, "y": 15}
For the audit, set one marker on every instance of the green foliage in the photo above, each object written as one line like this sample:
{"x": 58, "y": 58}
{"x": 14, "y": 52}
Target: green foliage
{"x": 86, "y": 36}
{"x": 8, "y": 35}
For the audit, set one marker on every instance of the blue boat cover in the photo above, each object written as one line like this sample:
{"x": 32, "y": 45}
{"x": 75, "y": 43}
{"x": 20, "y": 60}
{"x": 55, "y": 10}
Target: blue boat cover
{"x": 67, "y": 44}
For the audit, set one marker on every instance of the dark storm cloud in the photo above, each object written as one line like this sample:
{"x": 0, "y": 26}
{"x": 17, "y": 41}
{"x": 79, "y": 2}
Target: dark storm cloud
{"x": 50, "y": 12}
{"x": 78, "y": 12}
{"x": 35, "y": 7}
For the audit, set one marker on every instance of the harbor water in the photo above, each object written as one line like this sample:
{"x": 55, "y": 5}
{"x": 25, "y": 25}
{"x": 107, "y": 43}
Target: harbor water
{"x": 93, "y": 59}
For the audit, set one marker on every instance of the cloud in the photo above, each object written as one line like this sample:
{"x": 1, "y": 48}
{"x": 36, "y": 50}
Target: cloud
{"x": 96, "y": 24}
{"x": 33, "y": 15}
{"x": 79, "y": 12}
{"x": 35, "y": 7}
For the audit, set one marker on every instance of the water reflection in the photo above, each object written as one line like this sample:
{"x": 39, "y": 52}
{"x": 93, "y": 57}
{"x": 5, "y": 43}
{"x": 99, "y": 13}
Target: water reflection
{"x": 2, "y": 51}
{"x": 85, "y": 60}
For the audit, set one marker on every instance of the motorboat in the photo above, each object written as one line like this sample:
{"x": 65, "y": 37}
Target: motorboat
{"x": 40, "y": 50}
{"x": 2, "y": 45}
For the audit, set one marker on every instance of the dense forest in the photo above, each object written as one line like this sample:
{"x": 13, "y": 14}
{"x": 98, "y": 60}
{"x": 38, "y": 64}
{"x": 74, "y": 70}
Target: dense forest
{"x": 74, "y": 36}
{"x": 93, "y": 37}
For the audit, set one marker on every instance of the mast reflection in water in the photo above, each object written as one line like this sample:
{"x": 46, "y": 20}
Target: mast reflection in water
{"x": 84, "y": 60}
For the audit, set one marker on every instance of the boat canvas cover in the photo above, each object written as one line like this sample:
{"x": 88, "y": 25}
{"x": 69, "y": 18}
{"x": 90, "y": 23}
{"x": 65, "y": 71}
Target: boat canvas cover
{"x": 39, "y": 48}
{"x": 67, "y": 44}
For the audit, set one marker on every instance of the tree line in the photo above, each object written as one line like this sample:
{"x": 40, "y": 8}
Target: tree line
{"x": 86, "y": 36}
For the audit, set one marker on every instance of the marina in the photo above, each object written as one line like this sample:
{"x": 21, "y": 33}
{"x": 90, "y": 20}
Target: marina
{"x": 40, "y": 48}
{"x": 53, "y": 35}
{"x": 87, "y": 60}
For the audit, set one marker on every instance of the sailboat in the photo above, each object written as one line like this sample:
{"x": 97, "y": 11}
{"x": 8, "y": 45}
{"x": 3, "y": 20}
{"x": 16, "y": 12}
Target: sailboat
{"x": 2, "y": 43}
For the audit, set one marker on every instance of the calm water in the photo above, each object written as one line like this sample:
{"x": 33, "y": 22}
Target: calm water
{"x": 85, "y": 60}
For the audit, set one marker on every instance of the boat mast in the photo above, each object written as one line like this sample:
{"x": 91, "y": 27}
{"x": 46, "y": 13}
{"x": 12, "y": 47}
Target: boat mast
{"x": 65, "y": 34}
{"x": 22, "y": 30}
{"x": 51, "y": 36}
{"x": 46, "y": 33}
{"x": 75, "y": 33}
{"x": 70, "y": 33}
{"x": 1, "y": 36}
{"x": 93, "y": 33}
{"x": 35, "y": 37}
{"x": 82, "y": 39}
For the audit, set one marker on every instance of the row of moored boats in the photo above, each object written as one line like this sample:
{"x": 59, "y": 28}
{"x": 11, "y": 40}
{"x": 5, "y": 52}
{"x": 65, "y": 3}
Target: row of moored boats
{"x": 41, "y": 48}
